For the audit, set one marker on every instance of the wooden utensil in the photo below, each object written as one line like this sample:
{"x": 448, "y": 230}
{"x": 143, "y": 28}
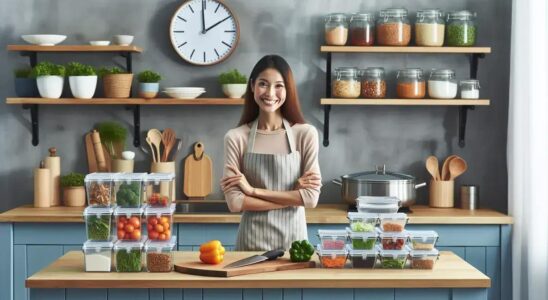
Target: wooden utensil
{"x": 90, "y": 153}
{"x": 433, "y": 167}
{"x": 99, "y": 154}
{"x": 197, "y": 183}
{"x": 155, "y": 137}
{"x": 457, "y": 166}
{"x": 168, "y": 139}
{"x": 445, "y": 168}
{"x": 152, "y": 153}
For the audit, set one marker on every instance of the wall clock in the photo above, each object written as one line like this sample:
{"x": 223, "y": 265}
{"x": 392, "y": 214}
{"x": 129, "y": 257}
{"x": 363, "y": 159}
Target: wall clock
{"x": 204, "y": 32}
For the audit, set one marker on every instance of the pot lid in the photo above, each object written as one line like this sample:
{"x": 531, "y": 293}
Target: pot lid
{"x": 380, "y": 175}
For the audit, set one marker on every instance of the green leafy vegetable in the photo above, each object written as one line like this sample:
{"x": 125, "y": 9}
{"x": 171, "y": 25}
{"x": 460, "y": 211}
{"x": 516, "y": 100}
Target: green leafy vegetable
{"x": 148, "y": 76}
{"x": 362, "y": 227}
{"x": 391, "y": 263}
{"x": 128, "y": 195}
{"x": 232, "y": 76}
{"x": 359, "y": 243}
{"x": 128, "y": 261}
{"x": 112, "y": 134}
{"x": 109, "y": 71}
{"x": 72, "y": 179}
{"x": 78, "y": 69}
{"x": 98, "y": 227}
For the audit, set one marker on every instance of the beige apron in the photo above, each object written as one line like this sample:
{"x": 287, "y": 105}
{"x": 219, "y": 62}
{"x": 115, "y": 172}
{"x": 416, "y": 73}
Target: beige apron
{"x": 277, "y": 228}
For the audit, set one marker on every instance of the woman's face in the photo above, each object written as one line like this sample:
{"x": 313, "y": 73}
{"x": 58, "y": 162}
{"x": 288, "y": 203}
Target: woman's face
{"x": 269, "y": 90}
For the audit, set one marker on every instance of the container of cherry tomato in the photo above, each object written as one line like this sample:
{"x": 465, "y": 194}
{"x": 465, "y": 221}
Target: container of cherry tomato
{"x": 393, "y": 240}
{"x": 329, "y": 258}
{"x": 333, "y": 239}
{"x": 128, "y": 223}
{"x": 159, "y": 189}
{"x": 159, "y": 222}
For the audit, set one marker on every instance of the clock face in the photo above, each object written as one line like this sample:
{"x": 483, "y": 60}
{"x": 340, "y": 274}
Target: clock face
{"x": 204, "y": 32}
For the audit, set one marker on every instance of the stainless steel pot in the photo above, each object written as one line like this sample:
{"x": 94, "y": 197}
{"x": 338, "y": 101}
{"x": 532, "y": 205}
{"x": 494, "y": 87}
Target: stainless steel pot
{"x": 379, "y": 183}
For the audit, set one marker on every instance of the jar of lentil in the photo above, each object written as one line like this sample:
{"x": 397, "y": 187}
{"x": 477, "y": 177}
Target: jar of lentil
{"x": 393, "y": 27}
{"x": 373, "y": 84}
{"x": 442, "y": 84}
{"x": 362, "y": 29}
{"x": 410, "y": 84}
{"x": 469, "y": 89}
{"x": 429, "y": 28}
{"x": 461, "y": 29}
{"x": 336, "y": 30}
{"x": 345, "y": 83}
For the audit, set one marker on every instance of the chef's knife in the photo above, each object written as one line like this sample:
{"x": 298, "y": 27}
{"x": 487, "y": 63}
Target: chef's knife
{"x": 269, "y": 255}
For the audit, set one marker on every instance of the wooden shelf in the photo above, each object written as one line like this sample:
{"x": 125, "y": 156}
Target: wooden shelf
{"x": 74, "y": 48}
{"x": 410, "y": 49}
{"x": 125, "y": 101}
{"x": 406, "y": 102}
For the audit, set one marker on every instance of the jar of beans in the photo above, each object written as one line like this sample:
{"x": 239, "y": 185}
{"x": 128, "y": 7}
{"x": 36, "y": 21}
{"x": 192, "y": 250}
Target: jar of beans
{"x": 345, "y": 83}
{"x": 442, "y": 84}
{"x": 362, "y": 29}
{"x": 429, "y": 28}
{"x": 461, "y": 29}
{"x": 373, "y": 84}
{"x": 393, "y": 28}
{"x": 410, "y": 84}
{"x": 336, "y": 30}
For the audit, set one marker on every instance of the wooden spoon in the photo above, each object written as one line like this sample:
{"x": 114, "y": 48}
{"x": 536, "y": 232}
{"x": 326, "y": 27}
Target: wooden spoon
{"x": 445, "y": 168}
{"x": 457, "y": 166}
{"x": 155, "y": 137}
{"x": 151, "y": 149}
{"x": 168, "y": 139}
{"x": 433, "y": 167}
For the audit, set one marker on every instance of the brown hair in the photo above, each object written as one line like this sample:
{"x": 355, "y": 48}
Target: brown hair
{"x": 291, "y": 109}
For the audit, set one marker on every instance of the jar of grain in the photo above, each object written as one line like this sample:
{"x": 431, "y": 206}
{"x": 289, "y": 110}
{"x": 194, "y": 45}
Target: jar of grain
{"x": 461, "y": 29}
{"x": 362, "y": 29}
{"x": 393, "y": 27}
{"x": 469, "y": 89}
{"x": 336, "y": 30}
{"x": 345, "y": 83}
{"x": 442, "y": 84}
{"x": 372, "y": 83}
{"x": 429, "y": 28}
{"x": 411, "y": 84}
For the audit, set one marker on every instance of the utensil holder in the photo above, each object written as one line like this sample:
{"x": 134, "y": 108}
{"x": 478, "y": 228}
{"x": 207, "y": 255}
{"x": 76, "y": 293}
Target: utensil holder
{"x": 122, "y": 165}
{"x": 165, "y": 167}
{"x": 441, "y": 193}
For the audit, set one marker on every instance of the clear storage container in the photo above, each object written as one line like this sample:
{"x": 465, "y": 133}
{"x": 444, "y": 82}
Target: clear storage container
{"x": 429, "y": 28}
{"x": 442, "y": 84}
{"x": 129, "y": 189}
{"x": 128, "y": 223}
{"x": 393, "y": 27}
{"x": 159, "y": 188}
{"x": 159, "y": 222}
{"x": 469, "y": 89}
{"x": 373, "y": 84}
{"x": 410, "y": 84}
{"x": 345, "y": 83}
{"x": 97, "y": 256}
{"x": 330, "y": 258}
{"x": 378, "y": 204}
{"x": 362, "y": 222}
{"x": 461, "y": 29}
{"x": 362, "y": 240}
{"x": 422, "y": 240}
{"x": 98, "y": 223}
{"x": 129, "y": 256}
{"x": 393, "y": 259}
{"x": 421, "y": 259}
{"x": 362, "y": 29}
{"x": 393, "y": 222}
{"x": 99, "y": 189}
{"x": 393, "y": 240}
{"x": 159, "y": 255}
{"x": 336, "y": 29}
{"x": 332, "y": 239}
{"x": 362, "y": 259}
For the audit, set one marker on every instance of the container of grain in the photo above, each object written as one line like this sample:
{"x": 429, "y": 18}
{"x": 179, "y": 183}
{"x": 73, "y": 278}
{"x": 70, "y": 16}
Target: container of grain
{"x": 429, "y": 28}
{"x": 362, "y": 29}
{"x": 345, "y": 83}
{"x": 442, "y": 84}
{"x": 461, "y": 29}
{"x": 410, "y": 84}
{"x": 336, "y": 29}
{"x": 393, "y": 28}
{"x": 469, "y": 89}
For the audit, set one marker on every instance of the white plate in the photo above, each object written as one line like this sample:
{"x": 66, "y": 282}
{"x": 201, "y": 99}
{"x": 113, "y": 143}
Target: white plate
{"x": 99, "y": 43}
{"x": 184, "y": 95}
{"x": 44, "y": 39}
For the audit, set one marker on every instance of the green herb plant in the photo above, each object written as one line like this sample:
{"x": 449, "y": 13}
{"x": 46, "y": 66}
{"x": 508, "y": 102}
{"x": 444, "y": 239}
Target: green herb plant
{"x": 128, "y": 261}
{"x": 113, "y": 135}
{"x": 23, "y": 73}
{"x": 78, "y": 69}
{"x": 98, "y": 227}
{"x": 128, "y": 195}
{"x": 46, "y": 68}
{"x": 103, "y": 71}
{"x": 72, "y": 180}
{"x": 232, "y": 76}
{"x": 149, "y": 76}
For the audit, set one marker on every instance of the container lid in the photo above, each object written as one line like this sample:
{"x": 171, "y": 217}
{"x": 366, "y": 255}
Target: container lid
{"x": 168, "y": 210}
{"x": 128, "y": 211}
{"x": 364, "y": 217}
{"x": 378, "y": 200}
{"x": 100, "y": 177}
{"x": 410, "y": 72}
{"x": 392, "y": 234}
{"x": 336, "y": 17}
{"x": 325, "y": 252}
{"x": 429, "y": 13}
{"x": 94, "y": 210}
{"x": 128, "y": 177}
{"x": 362, "y": 17}
{"x": 396, "y": 216}
{"x": 361, "y": 235}
{"x": 472, "y": 82}
{"x": 379, "y": 175}
{"x": 159, "y": 246}
{"x": 423, "y": 253}
{"x": 98, "y": 246}
{"x": 157, "y": 177}
{"x": 392, "y": 253}
{"x": 334, "y": 234}
{"x": 373, "y": 71}
{"x": 423, "y": 235}
{"x": 442, "y": 72}
{"x": 129, "y": 245}
{"x": 360, "y": 252}
{"x": 378, "y": 207}
{"x": 393, "y": 12}
{"x": 350, "y": 71}
{"x": 461, "y": 14}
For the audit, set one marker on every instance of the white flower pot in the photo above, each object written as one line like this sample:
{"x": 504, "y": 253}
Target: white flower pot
{"x": 234, "y": 90}
{"x": 83, "y": 87}
{"x": 50, "y": 86}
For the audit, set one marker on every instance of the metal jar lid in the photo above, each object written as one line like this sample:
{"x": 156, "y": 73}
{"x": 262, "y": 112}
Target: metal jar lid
{"x": 380, "y": 175}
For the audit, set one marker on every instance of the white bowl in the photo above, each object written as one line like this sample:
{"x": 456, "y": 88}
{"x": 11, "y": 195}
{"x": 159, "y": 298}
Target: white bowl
{"x": 44, "y": 39}
{"x": 99, "y": 43}
{"x": 185, "y": 89}
{"x": 123, "y": 39}
{"x": 184, "y": 95}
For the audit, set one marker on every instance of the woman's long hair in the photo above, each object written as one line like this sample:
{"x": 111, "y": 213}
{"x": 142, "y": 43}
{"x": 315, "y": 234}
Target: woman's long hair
{"x": 291, "y": 109}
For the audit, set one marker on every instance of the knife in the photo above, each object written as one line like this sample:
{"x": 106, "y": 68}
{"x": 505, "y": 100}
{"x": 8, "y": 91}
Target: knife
{"x": 269, "y": 255}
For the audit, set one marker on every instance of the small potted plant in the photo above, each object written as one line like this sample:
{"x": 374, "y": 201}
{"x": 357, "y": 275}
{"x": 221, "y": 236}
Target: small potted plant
{"x": 148, "y": 84}
{"x": 74, "y": 193}
{"x": 49, "y": 79}
{"x": 234, "y": 83}
{"x": 113, "y": 136}
{"x": 116, "y": 83}
{"x": 82, "y": 80}
{"x": 25, "y": 84}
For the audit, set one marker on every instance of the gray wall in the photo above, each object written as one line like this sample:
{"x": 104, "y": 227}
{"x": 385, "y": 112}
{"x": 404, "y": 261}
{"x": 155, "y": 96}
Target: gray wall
{"x": 400, "y": 137}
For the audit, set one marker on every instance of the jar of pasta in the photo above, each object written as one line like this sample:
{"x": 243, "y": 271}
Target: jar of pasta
{"x": 429, "y": 28}
{"x": 345, "y": 83}
{"x": 393, "y": 27}
{"x": 336, "y": 30}
{"x": 410, "y": 84}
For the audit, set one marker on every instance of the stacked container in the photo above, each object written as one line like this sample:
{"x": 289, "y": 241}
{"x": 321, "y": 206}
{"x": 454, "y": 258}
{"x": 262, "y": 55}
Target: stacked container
{"x": 159, "y": 255}
{"x": 423, "y": 254}
{"x": 159, "y": 222}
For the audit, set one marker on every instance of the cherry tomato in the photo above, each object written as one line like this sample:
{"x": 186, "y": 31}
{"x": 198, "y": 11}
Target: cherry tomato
{"x": 153, "y": 235}
{"x": 129, "y": 228}
{"x": 159, "y": 228}
{"x": 122, "y": 219}
{"x": 167, "y": 233}
{"x": 153, "y": 221}
{"x": 136, "y": 235}
{"x": 150, "y": 227}
{"x": 121, "y": 234}
{"x": 164, "y": 220}
{"x": 135, "y": 222}
{"x": 162, "y": 237}
{"x": 121, "y": 225}
{"x": 166, "y": 226}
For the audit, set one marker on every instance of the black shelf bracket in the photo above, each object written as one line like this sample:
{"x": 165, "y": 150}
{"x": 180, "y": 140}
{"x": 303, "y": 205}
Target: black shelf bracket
{"x": 463, "y": 110}
{"x": 136, "y": 125}
{"x": 327, "y": 108}
{"x": 33, "y": 121}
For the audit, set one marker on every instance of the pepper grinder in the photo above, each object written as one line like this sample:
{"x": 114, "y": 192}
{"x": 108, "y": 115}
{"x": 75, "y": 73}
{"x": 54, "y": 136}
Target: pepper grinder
{"x": 53, "y": 163}
{"x": 42, "y": 186}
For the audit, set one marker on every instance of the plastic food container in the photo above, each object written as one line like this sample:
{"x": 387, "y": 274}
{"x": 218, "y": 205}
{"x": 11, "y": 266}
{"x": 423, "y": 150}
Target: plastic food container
{"x": 442, "y": 84}
{"x": 422, "y": 240}
{"x": 129, "y": 187}
{"x": 159, "y": 255}
{"x": 461, "y": 29}
{"x": 159, "y": 188}
{"x": 469, "y": 89}
{"x": 128, "y": 256}
{"x": 429, "y": 28}
{"x": 159, "y": 222}
{"x": 362, "y": 259}
{"x": 362, "y": 222}
{"x": 332, "y": 258}
{"x": 362, "y": 29}
{"x": 410, "y": 84}
{"x": 393, "y": 259}
{"x": 421, "y": 259}
{"x": 128, "y": 223}
{"x": 98, "y": 220}
{"x": 332, "y": 239}
{"x": 336, "y": 29}
{"x": 393, "y": 240}
{"x": 373, "y": 84}
{"x": 362, "y": 240}
{"x": 393, "y": 27}
{"x": 393, "y": 222}
{"x": 99, "y": 189}
{"x": 97, "y": 256}
{"x": 345, "y": 83}
{"x": 378, "y": 204}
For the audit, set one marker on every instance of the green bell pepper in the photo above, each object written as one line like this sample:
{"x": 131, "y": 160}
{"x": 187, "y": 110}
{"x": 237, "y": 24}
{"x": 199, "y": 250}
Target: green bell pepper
{"x": 301, "y": 251}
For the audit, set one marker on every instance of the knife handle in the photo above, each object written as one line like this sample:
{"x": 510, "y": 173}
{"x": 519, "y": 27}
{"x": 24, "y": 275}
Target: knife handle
{"x": 273, "y": 254}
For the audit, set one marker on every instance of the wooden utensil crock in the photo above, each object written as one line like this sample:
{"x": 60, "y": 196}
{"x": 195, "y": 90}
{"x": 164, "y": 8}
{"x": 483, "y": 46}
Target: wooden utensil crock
{"x": 441, "y": 193}
{"x": 53, "y": 163}
{"x": 122, "y": 165}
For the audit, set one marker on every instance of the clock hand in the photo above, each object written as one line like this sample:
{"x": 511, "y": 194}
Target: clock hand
{"x": 203, "y": 17}
{"x": 210, "y": 27}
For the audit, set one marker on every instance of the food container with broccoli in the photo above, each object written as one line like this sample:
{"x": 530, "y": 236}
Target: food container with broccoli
{"x": 97, "y": 256}
{"x": 393, "y": 240}
{"x": 362, "y": 240}
{"x": 393, "y": 259}
{"x": 362, "y": 258}
{"x": 159, "y": 255}
{"x": 362, "y": 222}
{"x": 128, "y": 256}
{"x": 159, "y": 188}
{"x": 332, "y": 258}
{"x": 129, "y": 187}
{"x": 332, "y": 239}
{"x": 128, "y": 223}
{"x": 99, "y": 189}
{"x": 423, "y": 240}
{"x": 393, "y": 222}
{"x": 98, "y": 220}
{"x": 423, "y": 259}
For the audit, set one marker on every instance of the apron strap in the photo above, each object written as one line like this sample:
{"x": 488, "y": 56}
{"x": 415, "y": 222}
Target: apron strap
{"x": 253, "y": 133}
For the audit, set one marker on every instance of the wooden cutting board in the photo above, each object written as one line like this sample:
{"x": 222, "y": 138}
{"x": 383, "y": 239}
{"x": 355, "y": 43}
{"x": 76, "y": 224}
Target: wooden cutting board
{"x": 197, "y": 182}
{"x": 90, "y": 154}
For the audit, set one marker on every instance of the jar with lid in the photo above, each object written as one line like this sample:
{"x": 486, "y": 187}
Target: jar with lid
{"x": 393, "y": 27}
{"x": 469, "y": 89}
{"x": 373, "y": 84}
{"x": 362, "y": 29}
{"x": 336, "y": 30}
{"x": 410, "y": 84}
{"x": 461, "y": 29}
{"x": 442, "y": 84}
{"x": 429, "y": 28}
{"x": 345, "y": 83}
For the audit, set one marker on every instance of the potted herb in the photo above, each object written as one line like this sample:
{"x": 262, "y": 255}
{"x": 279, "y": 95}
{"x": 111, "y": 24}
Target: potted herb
{"x": 25, "y": 84}
{"x": 233, "y": 83}
{"x": 116, "y": 83}
{"x": 148, "y": 84}
{"x": 74, "y": 193}
{"x": 49, "y": 79}
{"x": 113, "y": 136}
{"x": 82, "y": 80}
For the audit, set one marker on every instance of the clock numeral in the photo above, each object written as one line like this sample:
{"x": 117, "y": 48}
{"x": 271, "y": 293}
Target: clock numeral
{"x": 227, "y": 44}
{"x": 181, "y": 18}
{"x": 217, "y": 8}
{"x": 216, "y": 52}
{"x": 181, "y": 45}
{"x": 191, "y": 54}
{"x": 204, "y": 57}
{"x": 192, "y": 10}
{"x": 179, "y": 31}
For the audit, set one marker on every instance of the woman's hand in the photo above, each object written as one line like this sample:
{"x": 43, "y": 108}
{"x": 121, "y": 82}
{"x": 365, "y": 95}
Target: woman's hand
{"x": 309, "y": 180}
{"x": 237, "y": 180}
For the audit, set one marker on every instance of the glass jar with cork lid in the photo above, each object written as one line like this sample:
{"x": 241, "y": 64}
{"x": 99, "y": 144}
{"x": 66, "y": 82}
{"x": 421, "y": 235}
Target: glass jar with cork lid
{"x": 393, "y": 27}
{"x": 345, "y": 83}
{"x": 410, "y": 84}
{"x": 429, "y": 28}
{"x": 336, "y": 29}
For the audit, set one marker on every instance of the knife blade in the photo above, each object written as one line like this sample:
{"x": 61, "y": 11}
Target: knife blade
{"x": 269, "y": 255}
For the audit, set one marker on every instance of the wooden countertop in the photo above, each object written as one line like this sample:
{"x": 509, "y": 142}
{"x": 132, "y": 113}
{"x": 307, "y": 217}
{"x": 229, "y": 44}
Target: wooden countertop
{"x": 323, "y": 214}
{"x": 450, "y": 272}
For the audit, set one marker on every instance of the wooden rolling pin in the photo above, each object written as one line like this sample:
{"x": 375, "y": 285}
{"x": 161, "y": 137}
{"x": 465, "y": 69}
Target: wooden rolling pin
{"x": 53, "y": 163}
{"x": 99, "y": 155}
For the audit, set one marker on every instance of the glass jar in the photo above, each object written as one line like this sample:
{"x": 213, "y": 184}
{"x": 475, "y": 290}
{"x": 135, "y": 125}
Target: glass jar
{"x": 336, "y": 30}
{"x": 345, "y": 83}
{"x": 411, "y": 84}
{"x": 362, "y": 30}
{"x": 373, "y": 84}
{"x": 393, "y": 27}
{"x": 461, "y": 29}
{"x": 429, "y": 28}
{"x": 442, "y": 84}
{"x": 469, "y": 89}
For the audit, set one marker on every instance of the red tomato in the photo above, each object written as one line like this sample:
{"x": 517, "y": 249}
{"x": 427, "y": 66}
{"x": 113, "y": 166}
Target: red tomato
{"x": 121, "y": 234}
{"x": 164, "y": 220}
{"x": 122, "y": 219}
{"x": 162, "y": 237}
{"x": 153, "y": 221}
{"x": 135, "y": 221}
{"x": 150, "y": 227}
{"x": 129, "y": 228}
{"x": 136, "y": 235}
{"x": 166, "y": 226}
{"x": 159, "y": 228}
{"x": 120, "y": 225}
{"x": 167, "y": 233}
{"x": 153, "y": 235}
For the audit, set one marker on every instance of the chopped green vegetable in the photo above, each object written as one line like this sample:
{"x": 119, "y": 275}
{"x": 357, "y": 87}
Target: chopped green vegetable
{"x": 98, "y": 227}
{"x": 361, "y": 244}
{"x": 362, "y": 227}
{"x": 393, "y": 263}
{"x": 301, "y": 251}
{"x": 461, "y": 35}
{"x": 128, "y": 261}
{"x": 128, "y": 195}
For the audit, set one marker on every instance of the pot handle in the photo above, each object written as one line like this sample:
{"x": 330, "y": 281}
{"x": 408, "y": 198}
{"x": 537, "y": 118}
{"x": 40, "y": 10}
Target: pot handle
{"x": 338, "y": 182}
{"x": 420, "y": 185}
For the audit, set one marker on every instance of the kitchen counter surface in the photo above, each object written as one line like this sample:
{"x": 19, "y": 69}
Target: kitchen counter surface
{"x": 323, "y": 214}
{"x": 450, "y": 272}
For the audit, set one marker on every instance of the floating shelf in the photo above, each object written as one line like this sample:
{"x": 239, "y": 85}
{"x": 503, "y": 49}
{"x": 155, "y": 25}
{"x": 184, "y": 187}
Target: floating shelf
{"x": 74, "y": 48}
{"x": 411, "y": 49}
{"x": 406, "y": 102}
{"x": 125, "y": 101}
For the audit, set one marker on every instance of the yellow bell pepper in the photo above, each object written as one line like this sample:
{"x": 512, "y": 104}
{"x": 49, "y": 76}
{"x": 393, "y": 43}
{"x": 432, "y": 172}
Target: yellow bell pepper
{"x": 212, "y": 252}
